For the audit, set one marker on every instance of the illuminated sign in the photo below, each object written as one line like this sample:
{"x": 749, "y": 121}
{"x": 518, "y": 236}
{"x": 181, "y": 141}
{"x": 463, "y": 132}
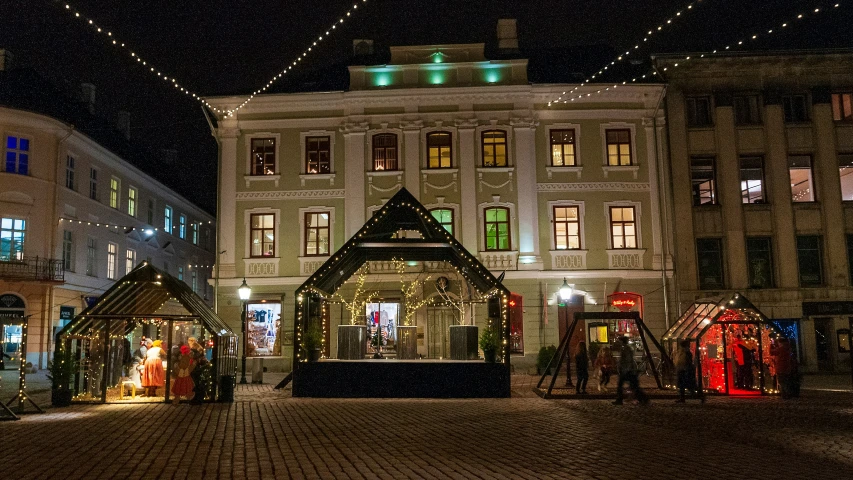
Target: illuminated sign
{"x": 626, "y": 301}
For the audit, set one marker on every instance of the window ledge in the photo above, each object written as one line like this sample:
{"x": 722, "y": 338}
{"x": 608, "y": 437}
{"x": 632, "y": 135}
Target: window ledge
{"x": 621, "y": 168}
{"x": 261, "y": 178}
{"x": 495, "y": 169}
{"x": 806, "y": 205}
{"x": 317, "y": 176}
{"x": 750, "y": 126}
{"x": 500, "y": 259}
{"x": 700, "y": 128}
{"x": 309, "y": 265}
{"x": 568, "y": 259}
{"x": 566, "y": 169}
{"x": 431, "y": 171}
{"x": 757, "y": 206}
{"x": 261, "y": 266}
{"x": 625, "y": 258}
{"x": 384, "y": 173}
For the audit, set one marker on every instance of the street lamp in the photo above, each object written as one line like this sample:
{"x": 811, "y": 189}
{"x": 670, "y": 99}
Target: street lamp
{"x": 245, "y": 292}
{"x": 566, "y": 296}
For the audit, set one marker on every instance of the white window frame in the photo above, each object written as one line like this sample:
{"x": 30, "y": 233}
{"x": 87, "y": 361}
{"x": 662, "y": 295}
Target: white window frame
{"x": 182, "y": 226}
{"x": 368, "y": 147}
{"x": 132, "y": 201}
{"x": 247, "y": 221}
{"x": 91, "y": 256}
{"x": 20, "y": 253}
{"x": 18, "y": 152}
{"x": 129, "y": 260}
{"x": 581, "y": 231}
{"x": 152, "y": 209}
{"x": 71, "y": 171}
{"x": 195, "y": 227}
{"x": 168, "y": 219}
{"x": 513, "y": 226}
{"x": 112, "y": 260}
{"x": 317, "y": 209}
{"x": 180, "y": 272}
{"x": 303, "y": 141}
{"x": 115, "y": 193}
{"x": 454, "y": 148}
{"x": 194, "y": 277}
{"x": 248, "y": 177}
{"x": 635, "y": 159}
{"x": 578, "y": 167}
{"x": 637, "y": 222}
{"x": 510, "y": 158}
{"x": 94, "y": 182}
{"x": 68, "y": 250}
{"x": 447, "y": 206}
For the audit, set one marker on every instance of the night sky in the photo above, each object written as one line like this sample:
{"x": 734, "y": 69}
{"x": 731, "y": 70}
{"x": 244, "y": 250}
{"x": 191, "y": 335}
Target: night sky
{"x": 218, "y": 47}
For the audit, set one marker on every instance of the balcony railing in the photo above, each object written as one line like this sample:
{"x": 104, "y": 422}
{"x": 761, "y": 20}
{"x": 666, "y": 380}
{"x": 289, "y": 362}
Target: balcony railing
{"x": 33, "y": 269}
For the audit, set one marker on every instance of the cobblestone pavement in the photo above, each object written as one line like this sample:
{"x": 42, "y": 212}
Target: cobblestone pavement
{"x": 268, "y": 434}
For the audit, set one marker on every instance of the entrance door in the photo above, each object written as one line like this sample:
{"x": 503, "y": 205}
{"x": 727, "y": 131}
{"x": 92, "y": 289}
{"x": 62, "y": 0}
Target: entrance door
{"x": 439, "y": 320}
{"x": 823, "y": 343}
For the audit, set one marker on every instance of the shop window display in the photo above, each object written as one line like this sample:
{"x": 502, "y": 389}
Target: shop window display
{"x": 382, "y": 321}
{"x": 263, "y": 321}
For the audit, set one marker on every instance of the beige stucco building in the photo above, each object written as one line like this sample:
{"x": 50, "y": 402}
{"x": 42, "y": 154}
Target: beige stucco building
{"x": 761, "y": 149}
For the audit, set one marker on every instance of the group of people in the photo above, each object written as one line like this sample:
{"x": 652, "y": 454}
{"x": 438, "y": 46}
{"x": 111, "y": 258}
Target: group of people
{"x": 605, "y": 364}
{"x": 187, "y": 360}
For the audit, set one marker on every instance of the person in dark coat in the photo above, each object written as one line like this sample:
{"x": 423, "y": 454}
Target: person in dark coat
{"x": 200, "y": 362}
{"x": 628, "y": 373}
{"x": 582, "y": 368}
{"x": 686, "y": 372}
{"x": 781, "y": 351}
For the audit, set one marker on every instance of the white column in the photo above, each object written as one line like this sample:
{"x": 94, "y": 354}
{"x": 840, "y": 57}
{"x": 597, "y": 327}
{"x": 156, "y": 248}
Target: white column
{"x": 654, "y": 185}
{"x": 227, "y": 221}
{"x": 524, "y": 130}
{"x": 354, "y": 208}
{"x": 467, "y": 161}
{"x": 412, "y": 152}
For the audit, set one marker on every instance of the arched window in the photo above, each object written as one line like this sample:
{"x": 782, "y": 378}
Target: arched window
{"x": 385, "y": 152}
{"x": 494, "y": 148}
{"x": 444, "y": 216}
{"x": 439, "y": 149}
{"x": 496, "y": 229}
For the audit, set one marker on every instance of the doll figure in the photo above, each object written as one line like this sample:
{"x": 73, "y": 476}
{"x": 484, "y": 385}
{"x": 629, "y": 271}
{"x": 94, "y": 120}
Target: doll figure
{"x": 154, "y": 375}
{"x": 184, "y": 385}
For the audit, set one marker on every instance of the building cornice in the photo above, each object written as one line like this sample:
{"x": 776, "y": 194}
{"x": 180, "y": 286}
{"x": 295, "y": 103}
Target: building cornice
{"x": 594, "y": 187}
{"x": 291, "y": 195}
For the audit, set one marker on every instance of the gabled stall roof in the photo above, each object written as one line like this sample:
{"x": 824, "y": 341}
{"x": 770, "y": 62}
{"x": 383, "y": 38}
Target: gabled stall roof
{"x": 142, "y": 293}
{"x": 375, "y": 242}
{"x": 706, "y": 312}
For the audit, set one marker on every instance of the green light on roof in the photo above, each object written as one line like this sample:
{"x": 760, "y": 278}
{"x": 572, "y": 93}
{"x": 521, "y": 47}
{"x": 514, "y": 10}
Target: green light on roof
{"x": 436, "y": 78}
{"x": 437, "y": 57}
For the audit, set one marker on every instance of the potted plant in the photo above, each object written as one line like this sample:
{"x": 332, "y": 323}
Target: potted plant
{"x": 313, "y": 343}
{"x": 60, "y": 372}
{"x": 489, "y": 344}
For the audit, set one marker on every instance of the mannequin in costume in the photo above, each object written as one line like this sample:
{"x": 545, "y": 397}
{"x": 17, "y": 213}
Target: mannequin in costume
{"x": 199, "y": 361}
{"x": 154, "y": 375}
{"x": 184, "y": 385}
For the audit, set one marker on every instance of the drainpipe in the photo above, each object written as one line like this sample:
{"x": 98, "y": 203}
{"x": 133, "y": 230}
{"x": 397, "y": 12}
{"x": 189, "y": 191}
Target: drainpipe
{"x": 218, "y": 208}
{"x": 662, "y": 212}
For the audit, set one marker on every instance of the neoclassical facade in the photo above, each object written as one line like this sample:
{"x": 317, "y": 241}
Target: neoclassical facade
{"x": 539, "y": 192}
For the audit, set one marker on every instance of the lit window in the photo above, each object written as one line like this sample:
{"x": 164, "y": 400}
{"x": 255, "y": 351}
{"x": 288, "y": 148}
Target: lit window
{"x": 67, "y": 251}
{"x": 444, "y": 216}
{"x": 263, "y": 156}
{"x": 795, "y": 108}
{"x": 91, "y": 256}
{"x": 317, "y": 155}
{"x": 316, "y": 233}
{"x": 567, "y": 228}
{"x": 115, "y": 188}
{"x": 800, "y": 170}
{"x": 752, "y": 179}
{"x": 93, "y": 183}
{"x": 182, "y": 226}
{"x": 703, "y": 180}
{"x": 699, "y": 112}
{"x": 70, "y": 182}
{"x": 262, "y": 233}
{"x": 167, "y": 219}
{"x": 195, "y": 233}
{"x": 131, "y": 201}
{"x": 112, "y": 260}
{"x": 384, "y": 152}
{"x": 439, "y": 149}
{"x": 563, "y": 148}
{"x": 497, "y": 232}
{"x": 12, "y": 233}
{"x": 842, "y": 107}
{"x": 494, "y": 148}
{"x": 845, "y": 171}
{"x": 623, "y": 227}
{"x": 747, "y": 109}
{"x": 129, "y": 260}
{"x": 618, "y": 147}
{"x": 17, "y": 155}
{"x": 180, "y": 272}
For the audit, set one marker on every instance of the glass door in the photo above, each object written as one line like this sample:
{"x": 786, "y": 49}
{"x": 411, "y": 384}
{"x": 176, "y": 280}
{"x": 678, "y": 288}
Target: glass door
{"x": 382, "y": 321}
{"x": 439, "y": 320}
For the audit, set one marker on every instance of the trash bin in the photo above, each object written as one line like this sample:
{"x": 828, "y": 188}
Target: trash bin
{"x": 226, "y": 388}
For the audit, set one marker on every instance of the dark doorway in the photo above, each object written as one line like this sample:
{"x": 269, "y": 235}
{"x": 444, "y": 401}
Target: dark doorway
{"x": 823, "y": 343}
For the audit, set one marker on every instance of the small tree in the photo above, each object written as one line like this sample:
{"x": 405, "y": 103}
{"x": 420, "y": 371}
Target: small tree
{"x": 460, "y": 303}
{"x": 411, "y": 292}
{"x": 357, "y": 304}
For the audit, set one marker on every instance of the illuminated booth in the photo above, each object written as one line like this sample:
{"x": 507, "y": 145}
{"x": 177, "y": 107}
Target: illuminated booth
{"x": 127, "y": 347}
{"x": 730, "y": 340}
{"x": 402, "y": 233}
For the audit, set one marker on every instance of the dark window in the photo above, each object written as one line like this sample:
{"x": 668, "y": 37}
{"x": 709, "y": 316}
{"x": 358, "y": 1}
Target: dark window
{"x": 317, "y": 155}
{"x": 444, "y": 216}
{"x": 747, "y": 110}
{"x": 67, "y": 251}
{"x": 316, "y": 233}
{"x": 842, "y": 107}
{"x": 618, "y": 147}
{"x": 93, "y": 184}
{"x": 17, "y": 155}
{"x": 567, "y": 228}
{"x": 759, "y": 258}
{"x": 91, "y": 256}
{"x": 150, "y": 211}
{"x": 796, "y": 108}
{"x": 385, "y": 152}
{"x": 262, "y": 235}
{"x": 709, "y": 252}
{"x": 563, "y": 148}
{"x": 70, "y": 183}
{"x": 494, "y": 148}
{"x": 699, "y": 112}
{"x": 263, "y": 156}
{"x": 497, "y": 229}
{"x": 703, "y": 179}
{"x": 850, "y": 256}
{"x": 623, "y": 227}
{"x": 802, "y": 182}
{"x": 752, "y": 179}
{"x": 810, "y": 260}
{"x": 439, "y": 149}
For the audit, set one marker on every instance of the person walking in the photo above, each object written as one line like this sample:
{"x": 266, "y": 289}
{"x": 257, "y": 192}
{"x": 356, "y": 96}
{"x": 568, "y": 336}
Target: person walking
{"x": 582, "y": 368}
{"x": 686, "y": 372}
{"x": 628, "y": 373}
{"x": 604, "y": 362}
{"x": 781, "y": 351}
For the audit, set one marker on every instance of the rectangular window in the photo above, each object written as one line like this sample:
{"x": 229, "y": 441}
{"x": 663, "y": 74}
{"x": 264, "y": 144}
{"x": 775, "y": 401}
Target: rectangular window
{"x": 759, "y": 258}
{"x": 497, "y": 229}
{"x": 69, "y": 173}
{"x": 182, "y": 226}
{"x": 150, "y": 211}
{"x": 709, "y": 252}
{"x": 384, "y": 152}
{"x": 802, "y": 185}
{"x": 567, "y": 232}
{"x": 263, "y": 156}
{"x": 115, "y": 189}
{"x": 623, "y": 227}
{"x": 563, "y": 148}
{"x": 262, "y": 227}
{"x": 317, "y": 155}
{"x": 180, "y": 272}
{"x": 699, "y": 112}
{"x": 747, "y": 110}
{"x": 17, "y": 155}
{"x": 619, "y": 147}
{"x": 67, "y": 251}
{"x": 91, "y": 256}
{"x": 703, "y": 180}
{"x": 195, "y": 227}
{"x": 129, "y": 260}
{"x": 494, "y": 148}
{"x": 194, "y": 281}
{"x": 316, "y": 233}
{"x": 796, "y": 108}
{"x": 444, "y": 216}
{"x": 167, "y": 219}
{"x": 845, "y": 171}
{"x": 112, "y": 260}
{"x": 850, "y": 257}
{"x": 810, "y": 260}
{"x": 752, "y": 179}
{"x": 93, "y": 183}
{"x": 131, "y": 201}
{"x": 842, "y": 107}
{"x": 439, "y": 149}
{"x": 12, "y": 233}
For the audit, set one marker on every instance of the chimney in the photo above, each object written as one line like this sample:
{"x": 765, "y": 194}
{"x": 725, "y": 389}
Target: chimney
{"x": 5, "y": 60}
{"x": 507, "y": 35}
{"x": 87, "y": 96}
{"x": 123, "y": 123}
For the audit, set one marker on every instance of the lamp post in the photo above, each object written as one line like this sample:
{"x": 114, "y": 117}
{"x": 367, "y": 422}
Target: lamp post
{"x": 245, "y": 292}
{"x": 566, "y": 296}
